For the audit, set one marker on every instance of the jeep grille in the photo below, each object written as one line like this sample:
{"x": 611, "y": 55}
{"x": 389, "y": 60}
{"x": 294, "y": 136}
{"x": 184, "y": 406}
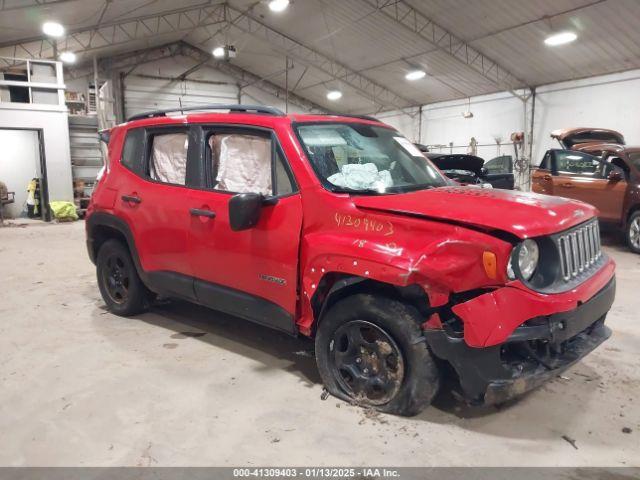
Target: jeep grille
{"x": 579, "y": 249}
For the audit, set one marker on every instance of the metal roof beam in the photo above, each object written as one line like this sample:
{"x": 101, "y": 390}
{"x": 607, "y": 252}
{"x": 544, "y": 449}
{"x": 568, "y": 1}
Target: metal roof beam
{"x": 245, "y": 77}
{"x": 448, "y": 43}
{"x": 84, "y": 39}
{"x": 292, "y": 48}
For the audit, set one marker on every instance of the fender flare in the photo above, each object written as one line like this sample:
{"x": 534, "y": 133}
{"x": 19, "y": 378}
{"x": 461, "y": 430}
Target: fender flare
{"x": 98, "y": 219}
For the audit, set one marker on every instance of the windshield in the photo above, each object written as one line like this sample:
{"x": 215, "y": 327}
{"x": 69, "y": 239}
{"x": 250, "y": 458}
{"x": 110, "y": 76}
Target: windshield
{"x": 357, "y": 158}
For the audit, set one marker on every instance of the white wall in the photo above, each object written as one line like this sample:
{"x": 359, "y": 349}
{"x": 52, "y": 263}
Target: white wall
{"x": 406, "y": 122}
{"x": 55, "y": 125}
{"x": 19, "y": 163}
{"x": 609, "y": 101}
{"x": 494, "y": 116}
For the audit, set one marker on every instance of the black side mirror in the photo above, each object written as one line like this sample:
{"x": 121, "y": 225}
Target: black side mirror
{"x": 615, "y": 176}
{"x": 244, "y": 210}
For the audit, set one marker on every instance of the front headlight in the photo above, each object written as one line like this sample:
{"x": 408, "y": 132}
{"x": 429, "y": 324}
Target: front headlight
{"x": 525, "y": 256}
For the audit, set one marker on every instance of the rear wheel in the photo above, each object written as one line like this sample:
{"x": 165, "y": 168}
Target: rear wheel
{"x": 370, "y": 351}
{"x": 633, "y": 232}
{"x": 119, "y": 283}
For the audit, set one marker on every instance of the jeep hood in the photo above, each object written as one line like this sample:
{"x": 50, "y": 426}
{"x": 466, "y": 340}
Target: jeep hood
{"x": 522, "y": 214}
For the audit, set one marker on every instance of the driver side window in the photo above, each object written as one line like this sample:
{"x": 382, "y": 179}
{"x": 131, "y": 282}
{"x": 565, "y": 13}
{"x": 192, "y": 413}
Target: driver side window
{"x": 243, "y": 162}
{"x": 571, "y": 163}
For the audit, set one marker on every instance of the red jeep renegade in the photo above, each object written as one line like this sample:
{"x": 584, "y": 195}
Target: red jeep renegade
{"x": 338, "y": 228}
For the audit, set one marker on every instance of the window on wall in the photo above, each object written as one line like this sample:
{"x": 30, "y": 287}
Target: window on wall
{"x": 168, "y": 159}
{"x": 244, "y": 163}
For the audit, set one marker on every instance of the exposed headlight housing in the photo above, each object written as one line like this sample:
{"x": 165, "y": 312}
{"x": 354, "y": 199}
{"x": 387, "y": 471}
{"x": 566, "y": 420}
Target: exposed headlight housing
{"x": 524, "y": 260}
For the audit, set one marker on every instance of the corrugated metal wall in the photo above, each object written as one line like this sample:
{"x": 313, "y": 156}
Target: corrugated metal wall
{"x": 145, "y": 93}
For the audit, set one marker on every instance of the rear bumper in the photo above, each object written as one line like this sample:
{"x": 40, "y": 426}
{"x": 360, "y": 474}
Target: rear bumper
{"x": 535, "y": 352}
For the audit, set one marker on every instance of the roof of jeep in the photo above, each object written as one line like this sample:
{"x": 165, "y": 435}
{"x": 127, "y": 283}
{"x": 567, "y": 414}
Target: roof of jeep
{"x": 270, "y": 117}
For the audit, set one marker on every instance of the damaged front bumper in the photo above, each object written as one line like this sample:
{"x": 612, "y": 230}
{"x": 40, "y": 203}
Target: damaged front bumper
{"x": 535, "y": 352}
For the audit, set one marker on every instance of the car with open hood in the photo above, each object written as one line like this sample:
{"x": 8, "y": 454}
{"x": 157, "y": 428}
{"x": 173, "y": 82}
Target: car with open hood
{"x": 337, "y": 228}
{"x": 595, "y": 165}
{"x": 472, "y": 170}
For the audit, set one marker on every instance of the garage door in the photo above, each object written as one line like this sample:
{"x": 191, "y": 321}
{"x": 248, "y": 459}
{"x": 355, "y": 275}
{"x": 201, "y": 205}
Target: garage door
{"x": 143, "y": 94}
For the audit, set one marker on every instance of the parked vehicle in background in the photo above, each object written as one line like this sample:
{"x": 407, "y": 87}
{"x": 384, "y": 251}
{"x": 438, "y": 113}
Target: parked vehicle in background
{"x": 339, "y": 229}
{"x": 472, "y": 170}
{"x": 595, "y": 166}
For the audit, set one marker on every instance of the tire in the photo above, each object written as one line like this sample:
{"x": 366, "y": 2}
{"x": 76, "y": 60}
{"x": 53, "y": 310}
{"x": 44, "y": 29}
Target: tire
{"x": 632, "y": 233}
{"x": 118, "y": 280}
{"x": 395, "y": 372}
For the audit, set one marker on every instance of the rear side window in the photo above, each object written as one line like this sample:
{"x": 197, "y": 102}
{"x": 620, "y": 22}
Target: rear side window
{"x": 132, "y": 157}
{"x": 168, "y": 159}
{"x": 635, "y": 159}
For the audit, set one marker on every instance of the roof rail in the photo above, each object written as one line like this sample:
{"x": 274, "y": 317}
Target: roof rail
{"x": 232, "y": 108}
{"x": 361, "y": 117}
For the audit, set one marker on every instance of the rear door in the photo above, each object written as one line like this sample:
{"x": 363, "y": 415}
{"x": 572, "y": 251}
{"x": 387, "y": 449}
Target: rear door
{"x": 251, "y": 273}
{"x": 585, "y": 177}
{"x": 152, "y": 197}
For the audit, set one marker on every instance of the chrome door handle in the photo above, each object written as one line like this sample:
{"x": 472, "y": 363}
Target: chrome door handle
{"x": 198, "y": 212}
{"x": 568, "y": 185}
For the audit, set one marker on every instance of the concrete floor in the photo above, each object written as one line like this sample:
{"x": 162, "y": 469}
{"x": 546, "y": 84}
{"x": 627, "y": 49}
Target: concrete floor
{"x": 183, "y": 385}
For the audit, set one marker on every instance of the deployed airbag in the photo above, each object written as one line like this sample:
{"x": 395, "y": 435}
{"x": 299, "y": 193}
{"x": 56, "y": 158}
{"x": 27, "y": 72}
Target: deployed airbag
{"x": 169, "y": 158}
{"x": 361, "y": 177}
{"x": 244, "y": 164}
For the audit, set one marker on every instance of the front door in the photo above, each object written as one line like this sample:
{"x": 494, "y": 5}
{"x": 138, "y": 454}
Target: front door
{"x": 251, "y": 273}
{"x": 585, "y": 177}
{"x": 499, "y": 172}
{"x": 541, "y": 178}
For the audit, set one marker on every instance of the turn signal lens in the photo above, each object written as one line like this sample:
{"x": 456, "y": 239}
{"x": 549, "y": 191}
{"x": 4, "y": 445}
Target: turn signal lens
{"x": 490, "y": 264}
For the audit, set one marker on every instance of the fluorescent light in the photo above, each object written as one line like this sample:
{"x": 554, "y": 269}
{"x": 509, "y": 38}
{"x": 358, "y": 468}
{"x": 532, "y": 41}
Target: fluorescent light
{"x": 278, "y": 5}
{"x": 68, "y": 57}
{"x": 334, "y": 95}
{"x": 560, "y": 38}
{"x": 415, "y": 75}
{"x": 218, "y": 52}
{"x": 53, "y": 29}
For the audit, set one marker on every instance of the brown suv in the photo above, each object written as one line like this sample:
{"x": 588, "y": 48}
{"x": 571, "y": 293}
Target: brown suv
{"x": 595, "y": 166}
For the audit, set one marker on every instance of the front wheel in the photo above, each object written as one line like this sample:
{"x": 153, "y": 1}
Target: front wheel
{"x": 370, "y": 351}
{"x": 633, "y": 232}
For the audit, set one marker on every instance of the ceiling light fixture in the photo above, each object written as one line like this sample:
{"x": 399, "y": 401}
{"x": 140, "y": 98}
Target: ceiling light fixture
{"x": 53, "y": 29}
{"x": 278, "y": 5}
{"x": 334, "y": 95}
{"x": 68, "y": 57}
{"x": 561, "y": 38}
{"x": 225, "y": 53}
{"x": 415, "y": 75}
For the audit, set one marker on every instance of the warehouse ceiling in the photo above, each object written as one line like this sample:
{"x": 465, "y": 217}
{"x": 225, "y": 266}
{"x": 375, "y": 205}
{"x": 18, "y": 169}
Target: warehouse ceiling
{"x": 364, "y": 48}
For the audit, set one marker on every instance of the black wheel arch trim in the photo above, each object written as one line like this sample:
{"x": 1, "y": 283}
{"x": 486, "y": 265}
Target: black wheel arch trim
{"x": 102, "y": 219}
